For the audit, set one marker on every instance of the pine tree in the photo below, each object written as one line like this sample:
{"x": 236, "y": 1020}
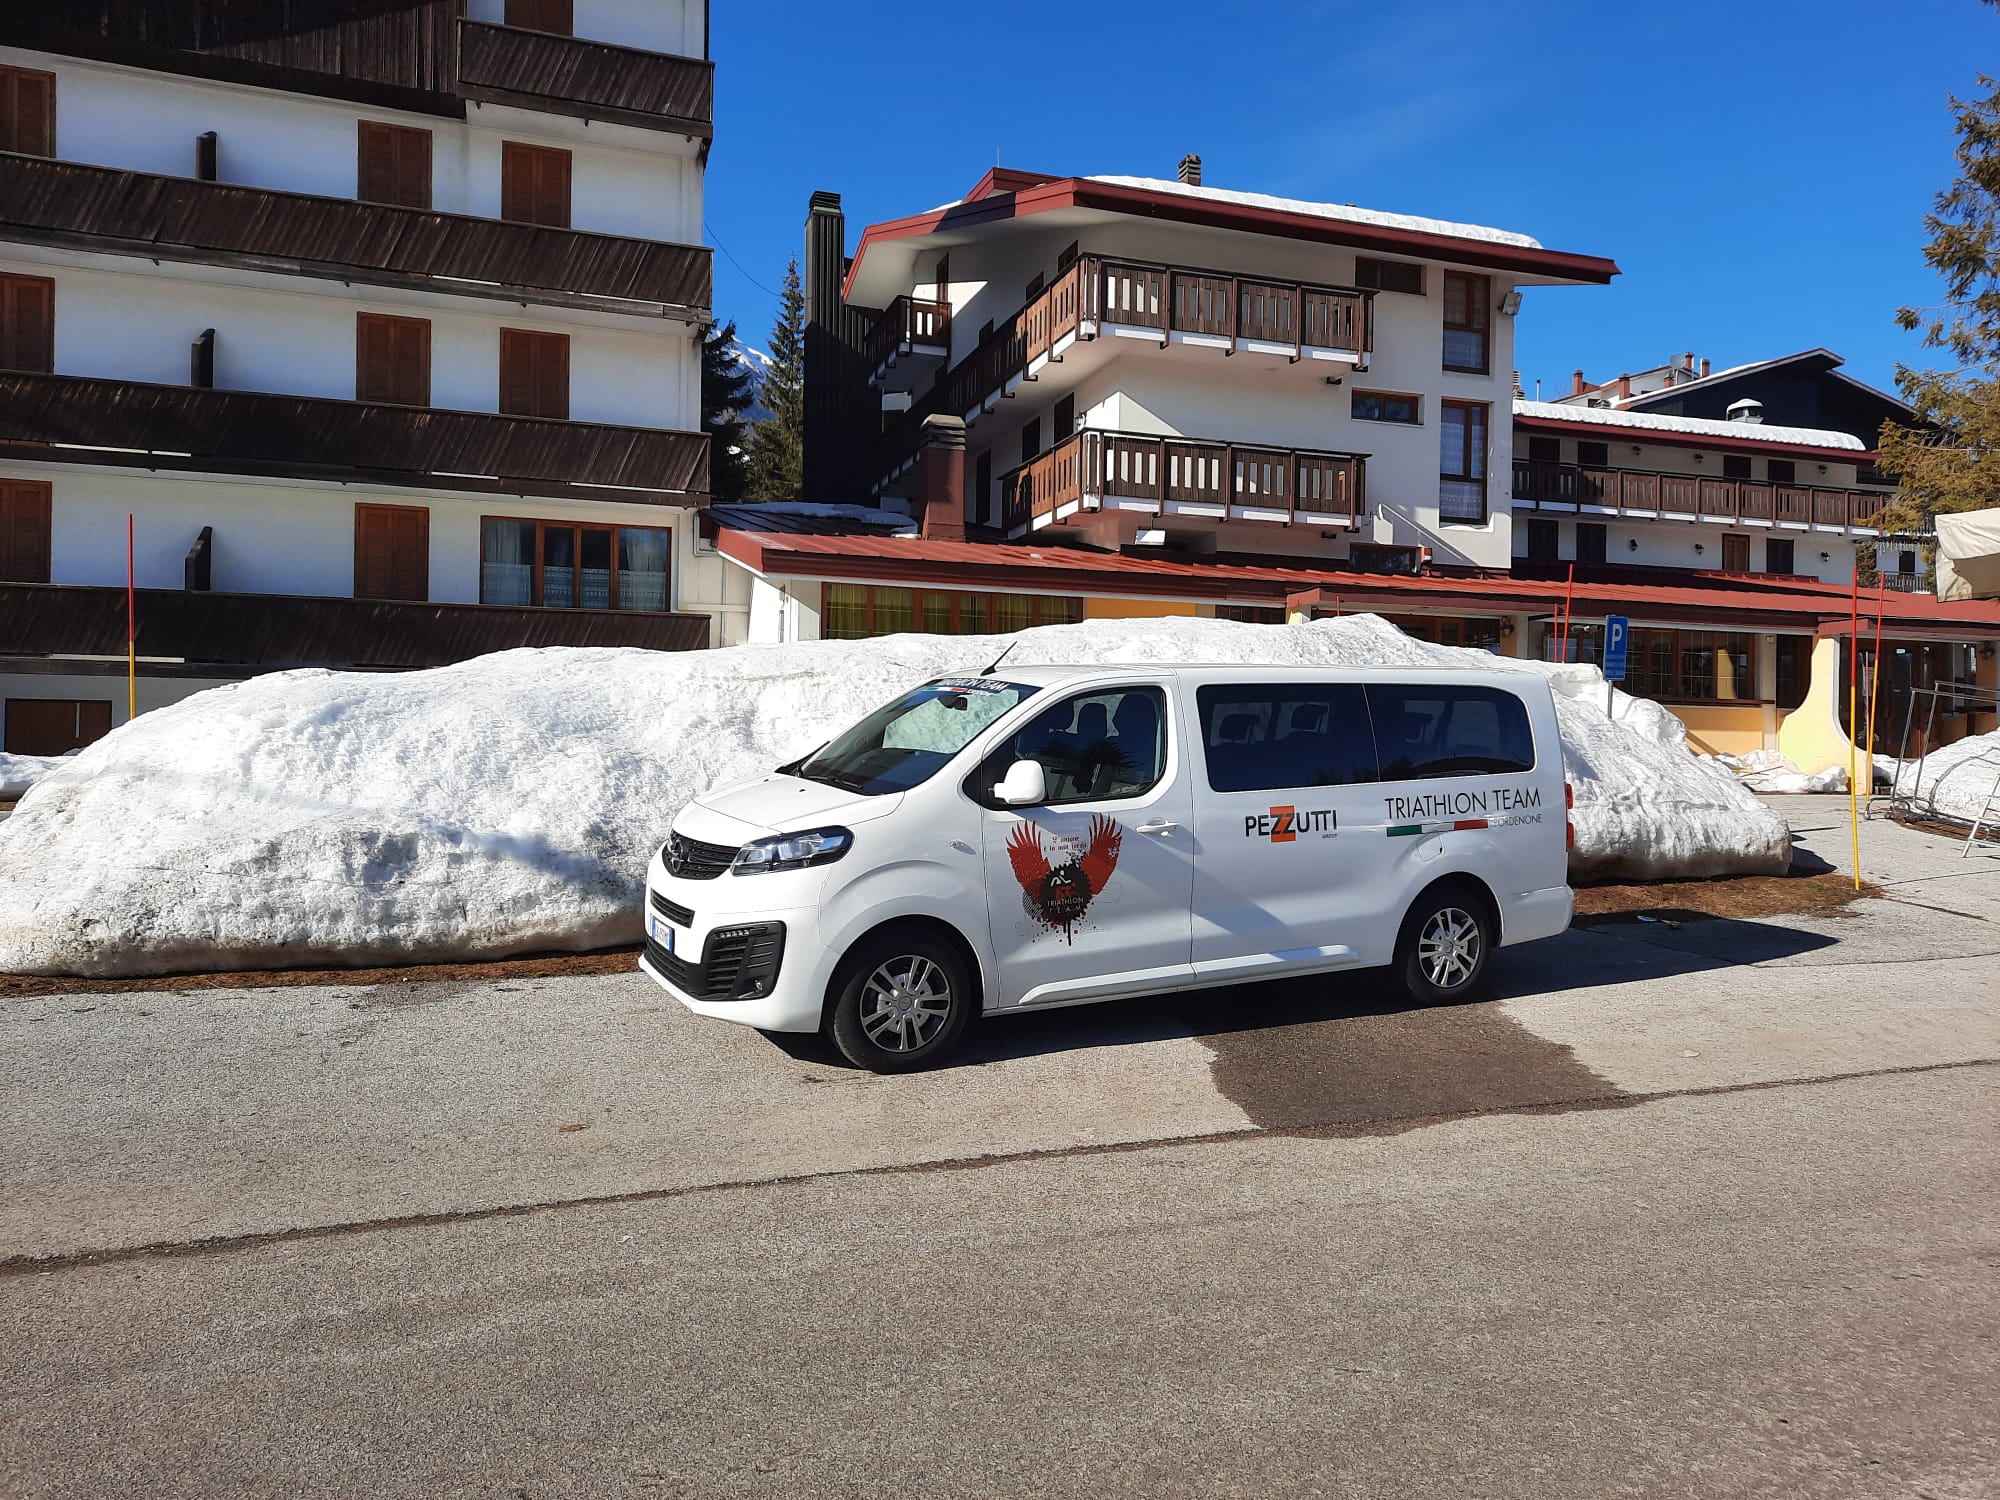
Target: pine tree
{"x": 725, "y": 392}
{"x": 1952, "y": 463}
{"x": 778, "y": 444}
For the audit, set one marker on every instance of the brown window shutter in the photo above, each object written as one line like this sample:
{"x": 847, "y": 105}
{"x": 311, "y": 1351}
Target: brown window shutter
{"x": 394, "y": 164}
{"x": 392, "y": 359}
{"x": 24, "y": 530}
{"x": 392, "y": 552}
{"x": 534, "y": 184}
{"x": 27, "y": 111}
{"x": 558, "y": 16}
{"x": 534, "y": 373}
{"x": 27, "y": 323}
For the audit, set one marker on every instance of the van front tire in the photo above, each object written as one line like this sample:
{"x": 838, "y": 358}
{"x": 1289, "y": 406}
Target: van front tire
{"x": 1446, "y": 947}
{"x": 901, "y": 1003}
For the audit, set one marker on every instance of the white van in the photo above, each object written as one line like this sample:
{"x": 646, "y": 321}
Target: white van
{"x": 1048, "y": 836}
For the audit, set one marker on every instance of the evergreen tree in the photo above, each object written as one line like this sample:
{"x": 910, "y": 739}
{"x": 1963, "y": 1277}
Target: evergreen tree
{"x": 778, "y": 444}
{"x": 1953, "y": 462}
{"x": 725, "y": 392}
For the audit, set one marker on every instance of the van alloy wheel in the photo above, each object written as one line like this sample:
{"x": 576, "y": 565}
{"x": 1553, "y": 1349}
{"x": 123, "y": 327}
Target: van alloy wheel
{"x": 1449, "y": 947}
{"x": 905, "y": 1003}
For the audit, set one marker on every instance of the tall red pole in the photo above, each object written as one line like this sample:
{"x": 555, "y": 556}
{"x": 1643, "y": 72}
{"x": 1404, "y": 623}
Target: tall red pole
{"x": 1853, "y": 713}
{"x": 131, "y": 628}
{"x": 1569, "y": 613}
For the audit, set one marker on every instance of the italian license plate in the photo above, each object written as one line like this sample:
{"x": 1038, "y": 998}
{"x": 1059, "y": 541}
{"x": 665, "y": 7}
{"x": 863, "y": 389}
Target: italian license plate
{"x": 663, "y": 933}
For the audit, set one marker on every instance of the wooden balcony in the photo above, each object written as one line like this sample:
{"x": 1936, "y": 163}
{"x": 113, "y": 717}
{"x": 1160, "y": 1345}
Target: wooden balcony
{"x": 1096, "y": 297}
{"x": 1647, "y": 494}
{"x": 587, "y": 79}
{"x": 1090, "y": 472}
{"x": 181, "y": 218}
{"x": 911, "y": 336}
{"x": 282, "y": 630}
{"x": 78, "y": 419}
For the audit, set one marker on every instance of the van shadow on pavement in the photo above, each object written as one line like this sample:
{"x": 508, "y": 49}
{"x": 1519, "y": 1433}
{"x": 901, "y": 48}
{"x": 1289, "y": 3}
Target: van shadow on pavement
{"x": 1348, "y": 1054}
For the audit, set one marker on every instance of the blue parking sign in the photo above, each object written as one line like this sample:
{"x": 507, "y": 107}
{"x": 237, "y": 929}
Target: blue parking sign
{"x": 1616, "y": 629}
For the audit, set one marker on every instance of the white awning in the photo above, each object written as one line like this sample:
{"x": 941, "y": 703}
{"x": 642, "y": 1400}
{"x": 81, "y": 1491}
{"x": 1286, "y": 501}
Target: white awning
{"x": 1968, "y": 555}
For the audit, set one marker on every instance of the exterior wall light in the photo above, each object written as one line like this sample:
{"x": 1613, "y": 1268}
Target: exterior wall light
{"x": 1698, "y": 549}
{"x": 1632, "y": 544}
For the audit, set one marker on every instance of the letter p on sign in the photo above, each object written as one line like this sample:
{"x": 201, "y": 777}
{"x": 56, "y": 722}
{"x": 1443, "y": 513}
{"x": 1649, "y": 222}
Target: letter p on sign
{"x": 1616, "y": 629}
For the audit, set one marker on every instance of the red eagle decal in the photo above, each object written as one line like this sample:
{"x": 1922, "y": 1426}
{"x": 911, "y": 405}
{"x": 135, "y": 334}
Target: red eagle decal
{"x": 1059, "y": 895}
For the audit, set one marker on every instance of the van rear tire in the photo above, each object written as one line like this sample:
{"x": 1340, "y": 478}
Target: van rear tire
{"x": 1445, "y": 952}
{"x": 901, "y": 1003}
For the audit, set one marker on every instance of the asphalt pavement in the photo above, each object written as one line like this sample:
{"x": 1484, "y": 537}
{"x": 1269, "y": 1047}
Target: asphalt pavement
{"x": 1693, "y": 1209}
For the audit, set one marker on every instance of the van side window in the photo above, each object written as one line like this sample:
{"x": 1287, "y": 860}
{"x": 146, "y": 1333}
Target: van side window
{"x": 1267, "y": 738}
{"x": 1433, "y": 730}
{"x": 1094, "y": 747}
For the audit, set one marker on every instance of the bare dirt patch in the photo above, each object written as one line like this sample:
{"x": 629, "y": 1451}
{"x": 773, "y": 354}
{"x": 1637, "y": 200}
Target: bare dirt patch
{"x": 1742, "y": 896}
{"x": 539, "y": 966}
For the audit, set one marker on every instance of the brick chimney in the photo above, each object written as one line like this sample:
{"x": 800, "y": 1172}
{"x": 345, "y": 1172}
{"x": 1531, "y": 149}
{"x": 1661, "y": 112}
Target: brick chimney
{"x": 1624, "y": 387}
{"x": 1577, "y": 384}
{"x": 1704, "y": 369}
{"x": 1190, "y": 171}
{"x": 941, "y": 479}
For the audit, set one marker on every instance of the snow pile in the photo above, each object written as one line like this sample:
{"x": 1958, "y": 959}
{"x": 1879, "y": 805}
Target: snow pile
{"x": 1768, "y": 771}
{"x": 1750, "y": 432}
{"x": 510, "y": 804}
{"x": 1311, "y": 209}
{"x": 19, "y": 772}
{"x": 1955, "y": 780}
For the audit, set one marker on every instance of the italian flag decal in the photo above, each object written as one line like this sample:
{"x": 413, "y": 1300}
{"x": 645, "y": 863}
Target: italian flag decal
{"x": 1404, "y": 830}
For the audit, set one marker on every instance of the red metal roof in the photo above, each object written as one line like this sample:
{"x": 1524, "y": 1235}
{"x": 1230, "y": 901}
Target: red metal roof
{"x": 1761, "y": 604}
{"x": 1000, "y": 196}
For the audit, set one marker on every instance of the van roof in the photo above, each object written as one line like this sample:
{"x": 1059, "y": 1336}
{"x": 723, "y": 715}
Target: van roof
{"x": 1049, "y": 674}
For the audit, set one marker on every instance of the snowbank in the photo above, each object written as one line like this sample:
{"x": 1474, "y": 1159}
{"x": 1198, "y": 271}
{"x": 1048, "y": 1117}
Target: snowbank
{"x": 509, "y": 804}
{"x": 19, "y": 772}
{"x": 1955, "y": 781}
{"x": 1768, "y": 771}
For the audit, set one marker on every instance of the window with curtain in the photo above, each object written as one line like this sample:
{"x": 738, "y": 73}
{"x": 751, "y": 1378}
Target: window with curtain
{"x": 1468, "y": 317}
{"x": 1462, "y": 462}
{"x": 560, "y": 565}
{"x": 854, "y": 611}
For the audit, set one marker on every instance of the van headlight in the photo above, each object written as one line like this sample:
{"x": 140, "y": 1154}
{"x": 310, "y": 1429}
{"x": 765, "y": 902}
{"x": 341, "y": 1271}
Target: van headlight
{"x": 793, "y": 851}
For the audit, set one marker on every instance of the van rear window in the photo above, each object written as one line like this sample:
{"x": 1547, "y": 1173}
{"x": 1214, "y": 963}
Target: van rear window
{"x": 1432, "y": 730}
{"x": 1269, "y": 737}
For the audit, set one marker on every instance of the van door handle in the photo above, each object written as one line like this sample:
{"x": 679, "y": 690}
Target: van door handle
{"x": 1163, "y": 826}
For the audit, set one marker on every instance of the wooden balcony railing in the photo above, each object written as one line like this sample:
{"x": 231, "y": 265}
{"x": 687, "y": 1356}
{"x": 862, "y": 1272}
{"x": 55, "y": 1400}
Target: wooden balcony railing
{"x": 284, "y": 630}
{"x": 79, "y": 419}
{"x": 181, "y": 218}
{"x": 589, "y": 79}
{"x": 1173, "y": 299}
{"x": 1694, "y": 496}
{"x": 907, "y": 323}
{"x": 1091, "y": 467}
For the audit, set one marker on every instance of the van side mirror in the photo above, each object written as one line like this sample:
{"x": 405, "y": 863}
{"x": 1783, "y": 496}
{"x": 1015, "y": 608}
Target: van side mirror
{"x": 1023, "y": 786}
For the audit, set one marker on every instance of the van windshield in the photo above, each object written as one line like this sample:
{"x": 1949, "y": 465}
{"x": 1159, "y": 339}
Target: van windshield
{"x": 905, "y": 743}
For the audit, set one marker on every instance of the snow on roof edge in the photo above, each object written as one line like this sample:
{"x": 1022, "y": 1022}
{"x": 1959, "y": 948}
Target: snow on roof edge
{"x": 1344, "y": 211}
{"x": 1752, "y": 432}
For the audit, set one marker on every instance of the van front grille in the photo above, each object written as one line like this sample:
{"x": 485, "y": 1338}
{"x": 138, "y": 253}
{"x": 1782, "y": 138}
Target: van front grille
{"x": 673, "y": 911}
{"x": 691, "y": 859}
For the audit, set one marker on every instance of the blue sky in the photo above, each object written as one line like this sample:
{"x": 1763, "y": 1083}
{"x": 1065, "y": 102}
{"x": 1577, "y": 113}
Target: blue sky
{"x": 1758, "y": 171}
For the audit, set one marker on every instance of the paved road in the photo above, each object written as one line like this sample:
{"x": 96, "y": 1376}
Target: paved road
{"x": 1695, "y": 1210}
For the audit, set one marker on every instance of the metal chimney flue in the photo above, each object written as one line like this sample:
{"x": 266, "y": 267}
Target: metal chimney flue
{"x": 1190, "y": 171}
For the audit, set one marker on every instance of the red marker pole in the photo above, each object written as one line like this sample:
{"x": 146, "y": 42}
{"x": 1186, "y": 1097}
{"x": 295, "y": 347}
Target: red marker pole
{"x": 1853, "y": 690}
{"x": 1569, "y": 613}
{"x": 131, "y": 629}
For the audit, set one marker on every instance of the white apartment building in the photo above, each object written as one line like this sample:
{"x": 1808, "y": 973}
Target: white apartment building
{"x": 381, "y": 322}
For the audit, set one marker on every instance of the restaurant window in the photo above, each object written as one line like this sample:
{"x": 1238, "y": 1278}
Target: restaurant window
{"x": 855, "y": 611}
{"x": 27, "y": 111}
{"x": 559, "y": 565}
{"x": 1590, "y": 539}
{"x": 534, "y": 184}
{"x": 1673, "y": 666}
{"x": 534, "y": 373}
{"x": 1385, "y": 406}
{"x": 394, "y": 165}
{"x": 1462, "y": 466}
{"x": 1389, "y": 276}
{"x": 392, "y": 552}
{"x": 24, "y": 530}
{"x": 1794, "y": 670}
{"x": 28, "y": 324}
{"x": 392, "y": 359}
{"x": 1468, "y": 320}
{"x": 1251, "y": 614}
{"x": 555, "y": 16}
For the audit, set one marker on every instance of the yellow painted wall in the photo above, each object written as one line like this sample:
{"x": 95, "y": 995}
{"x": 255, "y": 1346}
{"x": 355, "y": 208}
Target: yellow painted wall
{"x": 1810, "y": 736}
{"x": 1137, "y": 609}
{"x": 1722, "y": 728}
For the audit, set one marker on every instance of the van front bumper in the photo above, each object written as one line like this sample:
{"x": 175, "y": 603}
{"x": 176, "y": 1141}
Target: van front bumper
{"x": 758, "y": 967}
